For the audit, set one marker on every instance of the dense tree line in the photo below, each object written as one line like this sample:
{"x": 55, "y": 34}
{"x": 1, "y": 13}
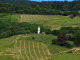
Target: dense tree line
{"x": 9, "y": 28}
{"x": 23, "y": 9}
{"x": 67, "y": 34}
{"x": 58, "y": 5}
{"x": 9, "y": 8}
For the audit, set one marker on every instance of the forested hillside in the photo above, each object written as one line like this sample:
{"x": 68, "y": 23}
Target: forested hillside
{"x": 58, "y": 5}
{"x": 23, "y": 9}
{"x": 14, "y": 1}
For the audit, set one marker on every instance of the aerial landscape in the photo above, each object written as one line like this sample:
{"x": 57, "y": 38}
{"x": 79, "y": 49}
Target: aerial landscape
{"x": 46, "y": 30}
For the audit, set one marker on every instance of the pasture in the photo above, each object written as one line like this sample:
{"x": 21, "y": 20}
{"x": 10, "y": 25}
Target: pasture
{"x": 21, "y": 47}
{"x": 12, "y": 17}
{"x": 52, "y": 21}
{"x": 66, "y": 56}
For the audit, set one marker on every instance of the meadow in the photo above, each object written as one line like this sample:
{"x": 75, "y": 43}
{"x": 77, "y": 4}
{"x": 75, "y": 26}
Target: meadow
{"x": 66, "y": 56}
{"x": 12, "y": 17}
{"x": 52, "y": 21}
{"x": 23, "y": 47}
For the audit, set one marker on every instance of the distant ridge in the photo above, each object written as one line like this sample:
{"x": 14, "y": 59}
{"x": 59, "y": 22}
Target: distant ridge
{"x": 15, "y": 1}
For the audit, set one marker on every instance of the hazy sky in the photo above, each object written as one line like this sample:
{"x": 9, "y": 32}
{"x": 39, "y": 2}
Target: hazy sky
{"x": 50, "y": 0}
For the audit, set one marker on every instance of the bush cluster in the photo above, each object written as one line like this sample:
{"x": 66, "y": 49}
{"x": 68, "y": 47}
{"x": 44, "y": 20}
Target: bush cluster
{"x": 67, "y": 34}
{"x": 8, "y": 28}
{"x": 71, "y": 13}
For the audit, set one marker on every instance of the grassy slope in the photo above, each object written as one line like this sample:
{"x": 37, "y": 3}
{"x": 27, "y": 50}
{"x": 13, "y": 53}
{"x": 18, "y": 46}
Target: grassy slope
{"x": 66, "y": 56}
{"x": 41, "y": 40}
{"x": 5, "y": 44}
{"x": 13, "y": 17}
{"x": 52, "y": 21}
{"x": 46, "y": 39}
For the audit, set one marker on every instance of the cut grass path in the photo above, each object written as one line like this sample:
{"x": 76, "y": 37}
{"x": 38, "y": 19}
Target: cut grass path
{"x": 30, "y": 51}
{"x": 39, "y": 50}
{"x": 34, "y": 51}
{"x": 44, "y": 51}
{"x": 25, "y": 51}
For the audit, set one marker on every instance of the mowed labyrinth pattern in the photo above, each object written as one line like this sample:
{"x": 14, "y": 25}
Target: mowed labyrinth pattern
{"x": 31, "y": 50}
{"x": 28, "y": 50}
{"x": 29, "y": 18}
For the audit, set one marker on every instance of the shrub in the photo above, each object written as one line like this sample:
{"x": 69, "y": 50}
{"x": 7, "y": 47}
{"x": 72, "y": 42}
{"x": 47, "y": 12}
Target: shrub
{"x": 65, "y": 13}
{"x": 70, "y": 51}
{"x": 68, "y": 45}
{"x": 71, "y": 16}
{"x": 55, "y": 32}
{"x": 75, "y": 13}
{"x": 47, "y": 31}
{"x": 5, "y": 34}
{"x": 61, "y": 39}
{"x": 28, "y": 32}
{"x": 67, "y": 30}
{"x": 54, "y": 41}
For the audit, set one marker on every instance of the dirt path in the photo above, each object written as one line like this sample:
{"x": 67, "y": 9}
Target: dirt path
{"x": 17, "y": 57}
{"x": 34, "y": 51}
{"x": 16, "y": 47}
{"x": 24, "y": 18}
{"x": 37, "y": 17}
{"x": 48, "y": 51}
{"x": 20, "y": 46}
{"x": 20, "y": 18}
{"x": 28, "y": 18}
{"x": 20, "y": 51}
{"x": 22, "y": 57}
{"x": 39, "y": 50}
{"x": 30, "y": 51}
{"x": 65, "y": 51}
{"x": 1, "y": 53}
{"x": 44, "y": 51}
{"x": 34, "y": 18}
{"x": 25, "y": 51}
{"x": 38, "y": 47}
{"x": 76, "y": 49}
{"x": 12, "y": 41}
{"x": 8, "y": 54}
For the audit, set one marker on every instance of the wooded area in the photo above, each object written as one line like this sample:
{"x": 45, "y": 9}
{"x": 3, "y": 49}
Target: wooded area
{"x": 9, "y": 28}
{"x": 58, "y": 5}
{"x": 31, "y": 7}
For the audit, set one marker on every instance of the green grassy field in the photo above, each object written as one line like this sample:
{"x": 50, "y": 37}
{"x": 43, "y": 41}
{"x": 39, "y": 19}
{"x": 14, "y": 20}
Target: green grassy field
{"x": 66, "y": 56}
{"x": 21, "y": 47}
{"x": 12, "y": 17}
{"x": 52, "y": 21}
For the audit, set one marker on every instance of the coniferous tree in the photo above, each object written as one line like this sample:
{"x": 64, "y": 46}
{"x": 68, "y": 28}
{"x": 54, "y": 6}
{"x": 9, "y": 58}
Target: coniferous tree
{"x": 61, "y": 39}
